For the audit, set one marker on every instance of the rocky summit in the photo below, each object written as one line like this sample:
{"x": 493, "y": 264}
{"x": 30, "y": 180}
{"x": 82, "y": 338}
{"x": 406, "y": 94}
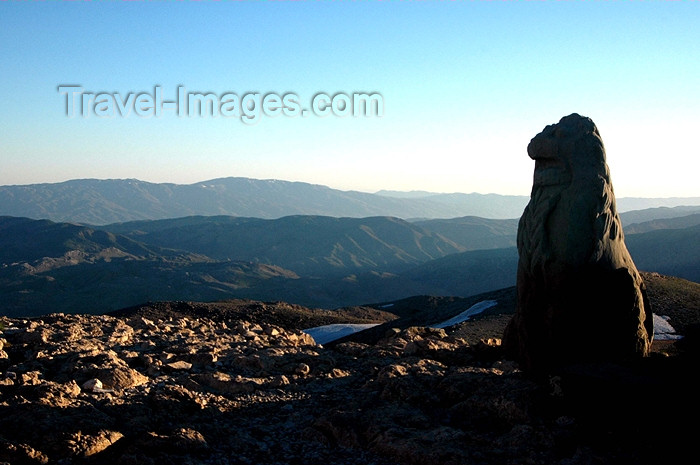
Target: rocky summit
{"x": 167, "y": 387}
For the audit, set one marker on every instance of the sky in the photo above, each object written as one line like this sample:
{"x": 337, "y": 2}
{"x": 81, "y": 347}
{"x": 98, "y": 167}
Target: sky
{"x": 465, "y": 85}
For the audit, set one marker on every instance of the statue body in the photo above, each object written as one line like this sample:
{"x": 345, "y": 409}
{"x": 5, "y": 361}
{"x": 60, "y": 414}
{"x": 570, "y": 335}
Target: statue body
{"x": 580, "y": 296}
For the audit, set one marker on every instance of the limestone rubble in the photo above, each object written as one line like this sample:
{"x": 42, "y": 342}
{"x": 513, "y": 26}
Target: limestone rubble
{"x": 85, "y": 389}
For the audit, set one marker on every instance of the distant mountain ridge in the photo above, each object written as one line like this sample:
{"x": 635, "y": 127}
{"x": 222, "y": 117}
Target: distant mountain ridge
{"x": 29, "y": 240}
{"x": 308, "y": 245}
{"x": 315, "y": 261}
{"x": 659, "y": 218}
{"x": 100, "y": 202}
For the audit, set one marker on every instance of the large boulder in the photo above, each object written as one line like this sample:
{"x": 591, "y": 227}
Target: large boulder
{"x": 580, "y": 296}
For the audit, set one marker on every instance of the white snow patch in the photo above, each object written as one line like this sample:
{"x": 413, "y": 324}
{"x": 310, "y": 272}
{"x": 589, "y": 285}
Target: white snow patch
{"x": 465, "y": 315}
{"x": 663, "y": 331}
{"x": 325, "y": 334}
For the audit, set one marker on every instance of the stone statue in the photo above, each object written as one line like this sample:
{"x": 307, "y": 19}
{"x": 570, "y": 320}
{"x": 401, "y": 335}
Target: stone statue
{"x": 580, "y": 296}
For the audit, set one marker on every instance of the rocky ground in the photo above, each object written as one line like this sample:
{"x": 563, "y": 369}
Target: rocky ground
{"x": 172, "y": 385}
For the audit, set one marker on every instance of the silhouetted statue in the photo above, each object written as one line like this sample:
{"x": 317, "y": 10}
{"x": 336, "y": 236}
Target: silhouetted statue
{"x": 580, "y": 296}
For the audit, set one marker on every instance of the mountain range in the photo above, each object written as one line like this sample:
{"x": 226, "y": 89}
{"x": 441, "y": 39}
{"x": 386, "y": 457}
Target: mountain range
{"x": 316, "y": 261}
{"x": 101, "y": 202}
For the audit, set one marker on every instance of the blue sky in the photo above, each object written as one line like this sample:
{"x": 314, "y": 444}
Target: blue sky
{"x": 465, "y": 84}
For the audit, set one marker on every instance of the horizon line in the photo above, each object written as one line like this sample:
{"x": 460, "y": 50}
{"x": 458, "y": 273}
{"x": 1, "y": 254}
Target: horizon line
{"x": 376, "y": 192}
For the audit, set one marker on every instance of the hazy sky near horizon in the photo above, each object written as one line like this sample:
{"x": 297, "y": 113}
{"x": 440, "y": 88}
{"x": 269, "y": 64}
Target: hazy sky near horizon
{"x": 465, "y": 85}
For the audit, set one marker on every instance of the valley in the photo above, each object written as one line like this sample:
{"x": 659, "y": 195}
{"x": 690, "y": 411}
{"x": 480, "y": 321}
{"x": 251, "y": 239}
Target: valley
{"x": 315, "y": 261}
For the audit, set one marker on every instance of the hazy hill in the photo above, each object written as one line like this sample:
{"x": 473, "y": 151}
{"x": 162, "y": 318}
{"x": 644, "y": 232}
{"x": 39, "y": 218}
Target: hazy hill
{"x": 72, "y": 268}
{"x": 466, "y": 273}
{"x": 309, "y": 245}
{"x": 482, "y": 205}
{"x": 474, "y": 233}
{"x": 679, "y": 222}
{"x": 674, "y": 252}
{"x": 625, "y": 204}
{"x": 102, "y": 286}
{"x": 99, "y": 202}
{"x": 648, "y": 208}
{"x": 659, "y": 213}
{"x": 23, "y": 239}
{"x": 315, "y": 261}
